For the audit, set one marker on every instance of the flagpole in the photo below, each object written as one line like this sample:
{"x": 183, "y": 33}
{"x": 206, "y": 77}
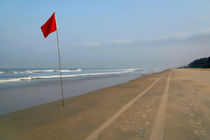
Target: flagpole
{"x": 59, "y": 60}
{"x": 49, "y": 27}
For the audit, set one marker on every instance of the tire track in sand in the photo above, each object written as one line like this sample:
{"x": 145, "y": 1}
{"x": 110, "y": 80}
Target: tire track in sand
{"x": 159, "y": 125}
{"x": 94, "y": 135}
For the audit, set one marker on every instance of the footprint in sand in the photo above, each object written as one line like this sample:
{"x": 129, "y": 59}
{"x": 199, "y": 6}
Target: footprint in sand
{"x": 199, "y": 132}
{"x": 197, "y": 126}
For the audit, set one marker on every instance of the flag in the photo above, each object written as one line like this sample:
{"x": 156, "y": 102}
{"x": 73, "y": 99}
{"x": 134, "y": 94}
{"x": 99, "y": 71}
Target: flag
{"x": 50, "y": 26}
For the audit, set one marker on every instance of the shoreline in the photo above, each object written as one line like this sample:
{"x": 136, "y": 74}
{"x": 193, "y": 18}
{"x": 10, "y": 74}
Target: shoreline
{"x": 38, "y": 93}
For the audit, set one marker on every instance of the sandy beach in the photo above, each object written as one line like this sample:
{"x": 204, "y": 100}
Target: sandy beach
{"x": 170, "y": 105}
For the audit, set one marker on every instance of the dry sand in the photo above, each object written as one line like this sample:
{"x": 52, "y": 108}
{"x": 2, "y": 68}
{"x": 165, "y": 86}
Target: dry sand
{"x": 171, "y": 105}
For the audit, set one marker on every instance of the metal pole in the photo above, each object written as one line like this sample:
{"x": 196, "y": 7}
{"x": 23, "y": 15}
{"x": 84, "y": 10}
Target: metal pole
{"x": 59, "y": 58}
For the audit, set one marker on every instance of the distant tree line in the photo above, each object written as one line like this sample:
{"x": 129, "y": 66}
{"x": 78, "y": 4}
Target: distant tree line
{"x": 200, "y": 63}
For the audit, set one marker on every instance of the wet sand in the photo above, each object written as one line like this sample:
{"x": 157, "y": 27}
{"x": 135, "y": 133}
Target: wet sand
{"x": 170, "y": 105}
{"x": 24, "y": 96}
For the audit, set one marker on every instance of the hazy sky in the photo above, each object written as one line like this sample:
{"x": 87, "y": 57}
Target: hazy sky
{"x": 105, "y": 33}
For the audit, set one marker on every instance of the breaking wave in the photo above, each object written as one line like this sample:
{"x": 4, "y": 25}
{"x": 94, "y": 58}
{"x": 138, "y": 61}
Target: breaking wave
{"x": 41, "y": 71}
{"x": 29, "y": 78}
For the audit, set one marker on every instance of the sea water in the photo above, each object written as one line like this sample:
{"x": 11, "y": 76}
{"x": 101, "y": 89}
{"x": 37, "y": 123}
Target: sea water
{"x": 18, "y": 76}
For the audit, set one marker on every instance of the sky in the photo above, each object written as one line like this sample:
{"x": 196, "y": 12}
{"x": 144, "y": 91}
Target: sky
{"x": 105, "y": 33}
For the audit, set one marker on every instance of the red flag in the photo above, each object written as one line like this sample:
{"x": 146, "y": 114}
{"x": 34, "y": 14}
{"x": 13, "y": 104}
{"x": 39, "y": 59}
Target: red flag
{"x": 50, "y": 26}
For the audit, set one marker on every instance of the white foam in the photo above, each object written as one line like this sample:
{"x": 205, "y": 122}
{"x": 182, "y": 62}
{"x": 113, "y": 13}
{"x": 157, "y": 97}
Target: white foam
{"x": 76, "y": 70}
{"x": 31, "y": 71}
{"x": 1, "y": 72}
{"x": 87, "y": 74}
{"x": 37, "y": 71}
{"x": 44, "y": 71}
{"x": 15, "y": 79}
{"x": 68, "y": 76}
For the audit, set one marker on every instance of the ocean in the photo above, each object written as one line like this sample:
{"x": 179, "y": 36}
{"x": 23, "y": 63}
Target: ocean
{"x": 10, "y": 77}
{"x": 22, "y": 88}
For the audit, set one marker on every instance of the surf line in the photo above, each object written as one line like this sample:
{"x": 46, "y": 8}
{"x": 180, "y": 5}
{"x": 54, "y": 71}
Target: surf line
{"x": 159, "y": 125}
{"x": 94, "y": 135}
